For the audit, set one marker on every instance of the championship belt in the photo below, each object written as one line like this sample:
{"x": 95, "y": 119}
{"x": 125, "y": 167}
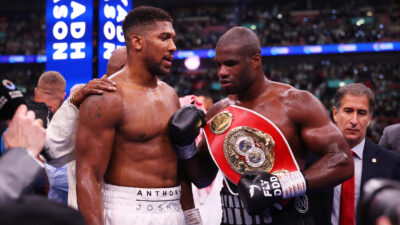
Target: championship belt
{"x": 241, "y": 140}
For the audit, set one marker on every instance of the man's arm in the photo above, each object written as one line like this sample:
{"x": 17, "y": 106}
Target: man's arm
{"x": 323, "y": 138}
{"x": 98, "y": 118}
{"x": 61, "y": 132}
{"x": 23, "y": 140}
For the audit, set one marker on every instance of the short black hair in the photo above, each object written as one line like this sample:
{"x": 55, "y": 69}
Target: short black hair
{"x": 143, "y": 16}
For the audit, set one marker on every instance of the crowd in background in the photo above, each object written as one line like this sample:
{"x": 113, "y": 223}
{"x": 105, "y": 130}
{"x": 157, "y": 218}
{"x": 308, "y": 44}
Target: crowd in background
{"x": 276, "y": 25}
{"x": 22, "y": 34}
{"x": 200, "y": 27}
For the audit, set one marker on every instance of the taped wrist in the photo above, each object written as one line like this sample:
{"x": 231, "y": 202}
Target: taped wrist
{"x": 186, "y": 151}
{"x": 293, "y": 184}
{"x": 192, "y": 216}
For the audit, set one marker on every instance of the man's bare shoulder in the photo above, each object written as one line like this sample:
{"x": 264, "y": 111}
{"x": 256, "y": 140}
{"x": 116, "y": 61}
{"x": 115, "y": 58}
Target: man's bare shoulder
{"x": 106, "y": 107}
{"x": 218, "y": 106}
{"x": 301, "y": 105}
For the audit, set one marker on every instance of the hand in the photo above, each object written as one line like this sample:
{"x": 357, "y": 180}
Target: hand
{"x": 184, "y": 126}
{"x": 258, "y": 190}
{"x": 26, "y": 132}
{"x": 95, "y": 86}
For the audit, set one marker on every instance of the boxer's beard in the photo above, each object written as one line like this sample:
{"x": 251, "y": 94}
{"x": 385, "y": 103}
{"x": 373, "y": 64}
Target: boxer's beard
{"x": 156, "y": 69}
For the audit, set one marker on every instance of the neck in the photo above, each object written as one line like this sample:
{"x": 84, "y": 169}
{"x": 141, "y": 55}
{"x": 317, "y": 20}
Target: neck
{"x": 139, "y": 74}
{"x": 255, "y": 90}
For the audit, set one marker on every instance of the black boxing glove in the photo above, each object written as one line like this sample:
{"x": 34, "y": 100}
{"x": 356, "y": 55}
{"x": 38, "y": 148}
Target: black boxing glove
{"x": 257, "y": 190}
{"x": 184, "y": 126}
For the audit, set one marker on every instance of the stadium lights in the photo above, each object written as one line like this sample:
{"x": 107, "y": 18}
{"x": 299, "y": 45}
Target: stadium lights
{"x": 266, "y": 51}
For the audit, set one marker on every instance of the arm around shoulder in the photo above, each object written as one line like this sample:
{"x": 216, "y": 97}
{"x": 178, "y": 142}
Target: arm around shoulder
{"x": 61, "y": 134}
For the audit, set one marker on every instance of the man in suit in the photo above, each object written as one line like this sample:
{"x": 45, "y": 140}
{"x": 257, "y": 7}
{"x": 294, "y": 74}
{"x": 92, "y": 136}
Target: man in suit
{"x": 352, "y": 113}
{"x": 391, "y": 137}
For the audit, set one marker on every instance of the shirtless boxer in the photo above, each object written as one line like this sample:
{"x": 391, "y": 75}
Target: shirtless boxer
{"x": 301, "y": 118}
{"x": 122, "y": 136}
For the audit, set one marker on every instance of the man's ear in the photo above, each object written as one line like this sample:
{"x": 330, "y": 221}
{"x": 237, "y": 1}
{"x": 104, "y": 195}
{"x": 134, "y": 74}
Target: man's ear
{"x": 256, "y": 61}
{"x": 137, "y": 42}
{"x": 334, "y": 113}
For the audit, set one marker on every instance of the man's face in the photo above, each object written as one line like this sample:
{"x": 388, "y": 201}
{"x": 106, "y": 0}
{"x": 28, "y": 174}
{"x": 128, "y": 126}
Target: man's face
{"x": 159, "y": 47}
{"x": 353, "y": 118}
{"x": 234, "y": 70}
{"x": 51, "y": 96}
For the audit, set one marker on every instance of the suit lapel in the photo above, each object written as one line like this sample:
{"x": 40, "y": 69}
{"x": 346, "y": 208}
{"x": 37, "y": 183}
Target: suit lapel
{"x": 369, "y": 164}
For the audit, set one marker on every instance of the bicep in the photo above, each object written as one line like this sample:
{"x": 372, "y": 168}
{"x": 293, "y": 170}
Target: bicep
{"x": 95, "y": 137}
{"x": 318, "y": 132}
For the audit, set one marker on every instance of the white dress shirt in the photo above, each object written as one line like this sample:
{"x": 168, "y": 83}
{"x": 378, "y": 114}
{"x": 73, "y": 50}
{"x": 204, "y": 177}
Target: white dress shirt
{"x": 357, "y": 157}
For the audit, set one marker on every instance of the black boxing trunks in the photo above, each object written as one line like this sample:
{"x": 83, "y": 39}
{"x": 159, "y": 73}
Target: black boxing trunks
{"x": 296, "y": 212}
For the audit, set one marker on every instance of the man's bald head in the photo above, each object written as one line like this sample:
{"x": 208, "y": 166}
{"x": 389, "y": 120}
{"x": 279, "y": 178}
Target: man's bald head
{"x": 50, "y": 90}
{"x": 117, "y": 61}
{"x": 243, "y": 38}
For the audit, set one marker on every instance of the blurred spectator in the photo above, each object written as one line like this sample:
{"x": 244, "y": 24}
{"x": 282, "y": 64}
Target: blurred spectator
{"x": 24, "y": 140}
{"x": 391, "y": 137}
{"x": 380, "y": 204}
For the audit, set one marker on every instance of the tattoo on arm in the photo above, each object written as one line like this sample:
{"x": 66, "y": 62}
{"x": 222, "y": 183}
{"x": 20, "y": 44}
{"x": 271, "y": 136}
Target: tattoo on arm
{"x": 93, "y": 110}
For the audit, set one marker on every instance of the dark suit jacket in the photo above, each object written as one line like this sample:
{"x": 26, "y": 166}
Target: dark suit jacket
{"x": 386, "y": 165}
{"x": 391, "y": 138}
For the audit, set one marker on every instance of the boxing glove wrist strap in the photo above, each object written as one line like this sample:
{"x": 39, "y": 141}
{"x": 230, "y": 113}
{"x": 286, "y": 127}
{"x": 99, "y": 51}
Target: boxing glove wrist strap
{"x": 186, "y": 151}
{"x": 192, "y": 216}
{"x": 293, "y": 184}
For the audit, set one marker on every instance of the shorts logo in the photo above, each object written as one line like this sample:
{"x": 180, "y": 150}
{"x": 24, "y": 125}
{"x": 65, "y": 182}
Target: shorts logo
{"x": 301, "y": 204}
{"x": 8, "y": 84}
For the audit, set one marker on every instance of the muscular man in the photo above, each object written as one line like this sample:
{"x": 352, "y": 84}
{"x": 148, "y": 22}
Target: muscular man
{"x": 122, "y": 136}
{"x": 302, "y": 119}
{"x": 60, "y": 139}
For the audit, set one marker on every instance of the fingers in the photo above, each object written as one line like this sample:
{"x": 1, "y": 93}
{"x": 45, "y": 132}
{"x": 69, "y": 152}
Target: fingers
{"x": 98, "y": 88}
{"x": 21, "y": 111}
{"x": 25, "y": 131}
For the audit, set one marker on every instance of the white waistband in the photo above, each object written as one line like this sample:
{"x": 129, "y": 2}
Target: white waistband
{"x": 141, "y": 199}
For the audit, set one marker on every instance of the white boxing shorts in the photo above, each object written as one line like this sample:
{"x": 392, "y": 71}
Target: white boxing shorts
{"x": 142, "y": 206}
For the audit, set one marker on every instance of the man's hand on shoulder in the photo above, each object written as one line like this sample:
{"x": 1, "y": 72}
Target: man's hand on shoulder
{"x": 95, "y": 86}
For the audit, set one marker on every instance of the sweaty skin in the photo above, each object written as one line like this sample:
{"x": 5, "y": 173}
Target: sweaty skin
{"x": 301, "y": 117}
{"x": 122, "y": 136}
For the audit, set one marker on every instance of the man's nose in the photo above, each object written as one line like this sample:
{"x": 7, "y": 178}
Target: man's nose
{"x": 354, "y": 118}
{"x": 222, "y": 72}
{"x": 172, "y": 46}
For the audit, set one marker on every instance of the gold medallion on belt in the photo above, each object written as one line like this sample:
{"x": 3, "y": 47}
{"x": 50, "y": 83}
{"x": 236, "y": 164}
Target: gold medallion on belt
{"x": 245, "y": 148}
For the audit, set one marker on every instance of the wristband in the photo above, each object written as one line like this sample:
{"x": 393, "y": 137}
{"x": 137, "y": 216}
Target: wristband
{"x": 192, "y": 217}
{"x": 293, "y": 184}
{"x": 186, "y": 151}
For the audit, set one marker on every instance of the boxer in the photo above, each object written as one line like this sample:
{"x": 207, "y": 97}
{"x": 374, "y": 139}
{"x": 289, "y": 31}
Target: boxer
{"x": 298, "y": 115}
{"x": 122, "y": 136}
